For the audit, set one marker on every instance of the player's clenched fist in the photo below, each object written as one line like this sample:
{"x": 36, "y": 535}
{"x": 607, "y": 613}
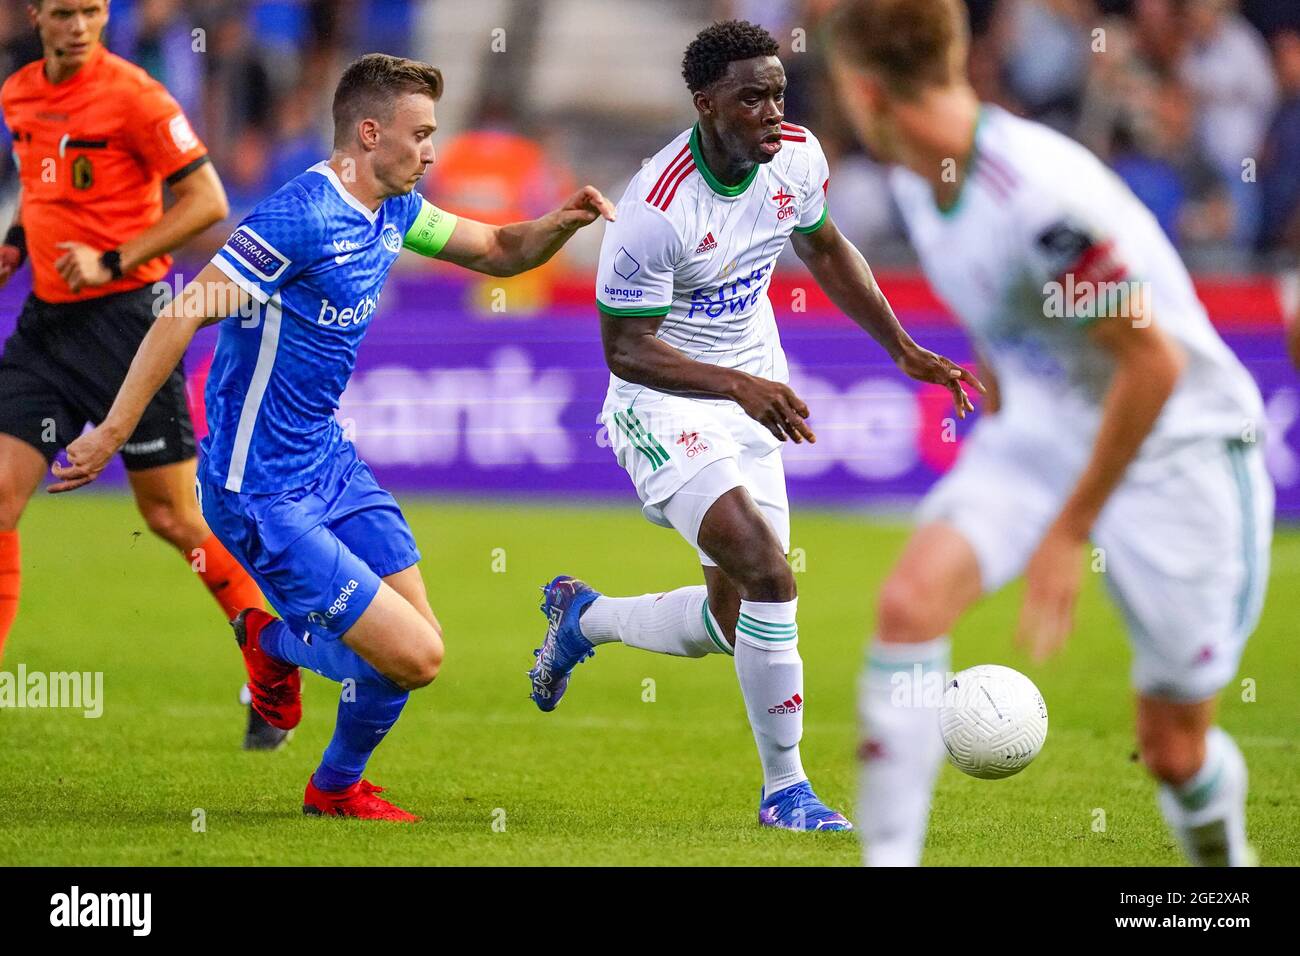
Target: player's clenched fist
{"x": 775, "y": 406}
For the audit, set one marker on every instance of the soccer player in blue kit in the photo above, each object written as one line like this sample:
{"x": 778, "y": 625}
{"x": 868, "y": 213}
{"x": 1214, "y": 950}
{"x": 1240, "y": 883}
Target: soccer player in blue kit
{"x": 296, "y": 285}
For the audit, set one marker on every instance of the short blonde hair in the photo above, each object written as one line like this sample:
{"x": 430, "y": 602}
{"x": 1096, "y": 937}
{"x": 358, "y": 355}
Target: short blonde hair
{"x": 371, "y": 83}
{"x": 910, "y": 44}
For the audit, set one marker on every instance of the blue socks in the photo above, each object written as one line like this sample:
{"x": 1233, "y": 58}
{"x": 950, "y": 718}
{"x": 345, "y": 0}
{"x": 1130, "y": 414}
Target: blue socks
{"x": 369, "y": 703}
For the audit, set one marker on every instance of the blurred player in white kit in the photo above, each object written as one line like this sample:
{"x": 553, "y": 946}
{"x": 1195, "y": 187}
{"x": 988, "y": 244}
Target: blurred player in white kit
{"x": 1120, "y": 419}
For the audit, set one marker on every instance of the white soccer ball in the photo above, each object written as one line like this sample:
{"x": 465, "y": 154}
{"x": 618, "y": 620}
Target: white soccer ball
{"x": 993, "y": 721}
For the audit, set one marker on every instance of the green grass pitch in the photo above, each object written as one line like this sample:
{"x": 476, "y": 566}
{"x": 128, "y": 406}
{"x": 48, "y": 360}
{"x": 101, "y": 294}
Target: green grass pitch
{"x": 649, "y": 759}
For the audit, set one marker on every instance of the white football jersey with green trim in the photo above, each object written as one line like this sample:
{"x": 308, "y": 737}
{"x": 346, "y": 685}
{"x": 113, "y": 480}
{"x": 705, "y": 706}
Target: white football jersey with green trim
{"x": 1044, "y": 240}
{"x": 701, "y": 254}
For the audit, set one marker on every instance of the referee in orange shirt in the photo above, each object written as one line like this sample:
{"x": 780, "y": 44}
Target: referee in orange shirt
{"x": 95, "y": 138}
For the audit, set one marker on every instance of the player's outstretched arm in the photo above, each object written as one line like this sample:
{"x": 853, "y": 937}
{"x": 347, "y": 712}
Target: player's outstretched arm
{"x": 1148, "y": 364}
{"x": 209, "y": 298}
{"x": 844, "y": 275}
{"x": 635, "y": 354}
{"x": 520, "y": 246}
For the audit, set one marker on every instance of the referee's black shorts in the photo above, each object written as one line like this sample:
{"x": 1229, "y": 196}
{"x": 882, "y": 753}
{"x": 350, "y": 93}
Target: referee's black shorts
{"x": 62, "y": 368}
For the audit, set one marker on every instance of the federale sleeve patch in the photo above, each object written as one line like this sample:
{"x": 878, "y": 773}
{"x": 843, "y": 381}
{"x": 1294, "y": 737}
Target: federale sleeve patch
{"x": 256, "y": 254}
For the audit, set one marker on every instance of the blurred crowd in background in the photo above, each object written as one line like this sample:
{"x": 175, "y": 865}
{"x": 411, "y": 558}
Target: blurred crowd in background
{"x": 1195, "y": 103}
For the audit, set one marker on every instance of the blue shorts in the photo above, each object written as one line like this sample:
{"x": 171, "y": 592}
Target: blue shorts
{"x": 317, "y": 552}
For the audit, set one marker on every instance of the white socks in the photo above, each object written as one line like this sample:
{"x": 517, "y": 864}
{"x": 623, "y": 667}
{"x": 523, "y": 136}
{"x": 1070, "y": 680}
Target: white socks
{"x": 768, "y": 665}
{"x": 901, "y": 749}
{"x": 771, "y": 681}
{"x": 1208, "y": 813}
{"x": 675, "y": 622}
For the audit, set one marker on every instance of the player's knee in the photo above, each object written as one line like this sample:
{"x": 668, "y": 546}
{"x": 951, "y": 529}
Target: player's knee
{"x": 174, "y": 525}
{"x": 9, "y": 514}
{"x": 425, "y": 661}
{"x": 764, "y": 577}
{"x": 1170, "y": 758}
{"x": 902, "y": 610}
{"x": 12, "y": 504}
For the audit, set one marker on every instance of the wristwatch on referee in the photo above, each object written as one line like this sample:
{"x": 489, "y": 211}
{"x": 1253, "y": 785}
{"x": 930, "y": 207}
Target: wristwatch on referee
{"x": 112, "y": 261}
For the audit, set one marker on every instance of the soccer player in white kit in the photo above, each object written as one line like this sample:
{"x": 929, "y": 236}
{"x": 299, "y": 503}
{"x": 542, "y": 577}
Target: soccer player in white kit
{"x": 1123, "y": 420}
{"x": 697, "y": 408}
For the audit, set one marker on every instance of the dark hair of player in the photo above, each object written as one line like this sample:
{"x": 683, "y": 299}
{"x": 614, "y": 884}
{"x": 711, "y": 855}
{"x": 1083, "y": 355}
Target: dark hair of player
{"x": 909, "y": 44}
{"x": 715, "y": 46}
{"x": 371, "y": 83}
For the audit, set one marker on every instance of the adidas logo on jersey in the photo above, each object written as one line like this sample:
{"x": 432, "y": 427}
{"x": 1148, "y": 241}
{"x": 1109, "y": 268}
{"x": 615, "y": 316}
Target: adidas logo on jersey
{"x": 791, "y": 706}
{"x": 707, "y": 243}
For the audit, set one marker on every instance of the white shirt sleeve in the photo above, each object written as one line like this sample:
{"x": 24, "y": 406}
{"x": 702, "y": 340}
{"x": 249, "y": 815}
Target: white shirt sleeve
{"x": 812, "y": 204}
{"x": 637, "y": 257}
{"x": 1074, "y": 255}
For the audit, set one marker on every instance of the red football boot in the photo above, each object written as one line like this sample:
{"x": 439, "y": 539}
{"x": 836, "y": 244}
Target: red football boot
{"x": 358, "y": 801}
{"x": 276, "y": 687}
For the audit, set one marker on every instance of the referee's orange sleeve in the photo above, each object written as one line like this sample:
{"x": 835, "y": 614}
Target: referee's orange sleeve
{"x": 161, "y": 134}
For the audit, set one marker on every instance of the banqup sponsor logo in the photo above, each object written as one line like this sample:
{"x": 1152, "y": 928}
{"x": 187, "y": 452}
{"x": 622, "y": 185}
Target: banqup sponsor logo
{"x": 624, "y": 295}
{"x": 345, "y": 318}
{"x": 740, "y": 295}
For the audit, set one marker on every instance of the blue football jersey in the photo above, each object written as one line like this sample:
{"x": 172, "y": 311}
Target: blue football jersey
{"x": 315, "y": 260}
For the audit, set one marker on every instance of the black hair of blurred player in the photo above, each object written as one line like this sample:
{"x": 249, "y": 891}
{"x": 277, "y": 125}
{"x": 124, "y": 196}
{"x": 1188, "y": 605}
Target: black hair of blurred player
{"x": 738, "y": 86}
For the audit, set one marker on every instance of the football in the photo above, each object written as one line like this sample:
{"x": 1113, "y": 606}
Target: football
{"x": 993, "y": 721}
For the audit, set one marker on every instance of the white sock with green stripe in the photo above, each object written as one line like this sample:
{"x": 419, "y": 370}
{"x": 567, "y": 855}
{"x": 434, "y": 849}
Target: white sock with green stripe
{"x": 1208, "y": 813}
{"x": 771, "y": 681}
{"x": 674, "y": 622}
{"x": 901, "y": 748}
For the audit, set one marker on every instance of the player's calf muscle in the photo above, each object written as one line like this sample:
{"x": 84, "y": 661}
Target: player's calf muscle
{"x": 724, "y": 601}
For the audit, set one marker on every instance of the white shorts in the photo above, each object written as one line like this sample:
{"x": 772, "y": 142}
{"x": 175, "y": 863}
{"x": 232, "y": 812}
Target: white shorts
{"x": 665, "y": 442}
{"x": 1184, "y": 542}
